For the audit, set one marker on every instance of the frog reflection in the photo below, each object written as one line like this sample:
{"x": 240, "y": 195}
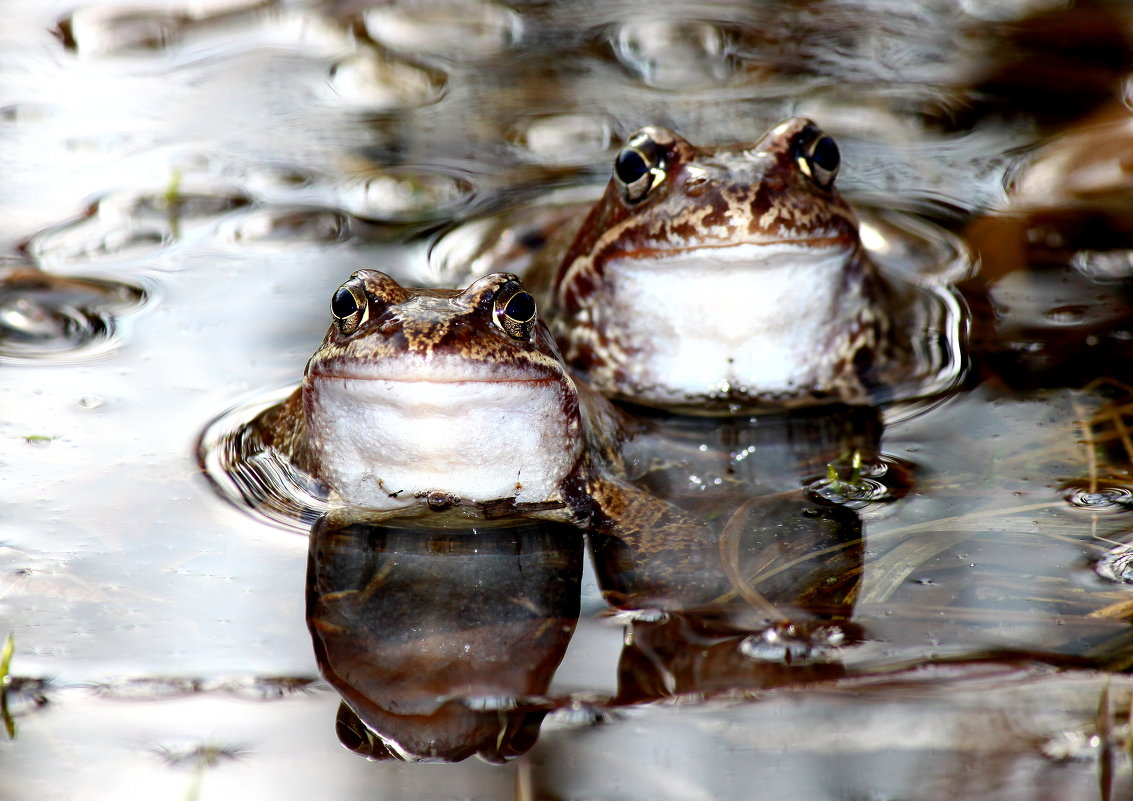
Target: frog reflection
{"x": 770, "y": 599}
{"x": 442, "y": 641}
{"x": 730, "y": 472}
{"x": 794, "y": 566}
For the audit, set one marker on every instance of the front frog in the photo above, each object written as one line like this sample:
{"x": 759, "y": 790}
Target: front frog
{"x": 433, "y": 395}
{"x": 727, "y": 277}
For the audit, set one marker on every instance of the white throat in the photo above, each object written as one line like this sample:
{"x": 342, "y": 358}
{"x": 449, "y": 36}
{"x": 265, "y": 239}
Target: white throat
{"x": 759, "y": 318}
{"x": 383, "y": 443}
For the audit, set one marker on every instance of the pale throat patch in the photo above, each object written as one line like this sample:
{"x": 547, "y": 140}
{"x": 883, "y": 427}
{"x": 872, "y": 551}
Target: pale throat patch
{"x": 758, "y": 318}
{"x": 382, "y": 442}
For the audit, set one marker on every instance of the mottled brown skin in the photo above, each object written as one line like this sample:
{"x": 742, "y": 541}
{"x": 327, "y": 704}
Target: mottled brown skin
{"x": 709, "y": 198}
{"x": 449, "y": 324}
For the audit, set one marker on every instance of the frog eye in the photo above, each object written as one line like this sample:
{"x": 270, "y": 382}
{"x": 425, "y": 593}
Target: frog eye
{"x": 818, "y": 157}
{"x": 639, "y": 167}
{"x": 350, "y": 306}
{"x": 515, "y": 312}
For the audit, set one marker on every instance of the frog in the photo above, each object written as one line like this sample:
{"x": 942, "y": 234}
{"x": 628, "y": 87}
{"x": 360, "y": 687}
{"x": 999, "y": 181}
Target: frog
{"x": 727, "y": 278}
{"x": 425, "y": 401}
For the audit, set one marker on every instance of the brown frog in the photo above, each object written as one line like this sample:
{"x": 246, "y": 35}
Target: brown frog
{"x": 422, "y": 400}
{"x": 729, "y": 276}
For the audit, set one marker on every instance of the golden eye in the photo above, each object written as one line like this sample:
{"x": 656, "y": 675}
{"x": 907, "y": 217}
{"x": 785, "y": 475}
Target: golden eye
{"x": 818, "y": 157}
{"x": 515, "y": 313}
{"x": 639, "y": 167}
{"x": 350, "y": 306}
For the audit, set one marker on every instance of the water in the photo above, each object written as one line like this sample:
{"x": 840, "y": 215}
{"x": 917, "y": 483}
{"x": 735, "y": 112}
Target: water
{"x": 185, "y": 185}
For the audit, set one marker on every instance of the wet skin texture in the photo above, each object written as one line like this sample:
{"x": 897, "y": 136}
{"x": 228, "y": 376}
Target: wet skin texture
{"x": 722, "y": 277}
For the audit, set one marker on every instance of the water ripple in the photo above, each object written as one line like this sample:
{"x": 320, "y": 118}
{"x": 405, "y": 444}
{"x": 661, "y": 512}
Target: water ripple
{"x": 255, "y": 479}
{"x": 51, "y": 319}
{"x": 857, "y": 485}
{"x": 1099, "y": 498}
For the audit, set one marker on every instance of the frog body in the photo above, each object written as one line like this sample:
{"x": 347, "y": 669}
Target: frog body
{"x": 730, "y": 276}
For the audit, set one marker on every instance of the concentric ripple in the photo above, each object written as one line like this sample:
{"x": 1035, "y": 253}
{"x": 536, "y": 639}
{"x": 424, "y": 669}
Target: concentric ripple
{"x": 48, "y": 318}
{"x": 1107, "y": 498}
{"x": 255, "y": 479}
{"x": 856, "y": 484}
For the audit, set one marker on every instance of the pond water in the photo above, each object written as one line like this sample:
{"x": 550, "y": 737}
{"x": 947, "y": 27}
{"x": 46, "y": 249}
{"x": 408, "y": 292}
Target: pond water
{"x": 185, "y": 184}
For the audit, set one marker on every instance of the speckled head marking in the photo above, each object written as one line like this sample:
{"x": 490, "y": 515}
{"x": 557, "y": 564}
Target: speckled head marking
{"x": 667, "y": 196}
{"x": 489, "y": 331}
{"x": 421, "y": 393}
{"x": 726, "y": 273}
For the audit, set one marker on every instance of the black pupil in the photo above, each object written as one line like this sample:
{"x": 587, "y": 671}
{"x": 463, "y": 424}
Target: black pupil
{"x": 630, "y": 166}
{"x": 343, "y": 303}
{"x": 825, "y": 154}
{"x": 521, "y": 307}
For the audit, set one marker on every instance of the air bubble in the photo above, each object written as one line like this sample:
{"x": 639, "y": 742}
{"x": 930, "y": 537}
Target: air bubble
{"x": 674, "y": 54}
{"x": 404, "y": 195}
{"x": 567, "y": 139}
{"x": 291, "y": 226}
{"x": 372, "y": 81}
{"x": 466, "y": 30}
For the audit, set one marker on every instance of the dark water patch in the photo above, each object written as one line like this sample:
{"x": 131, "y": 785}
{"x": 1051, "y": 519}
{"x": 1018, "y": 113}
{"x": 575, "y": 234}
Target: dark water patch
{"x": 48, "y": 319}
{"x": 251, "y": 688}
{"x": 21, "y": 696}
{"x": 20, "y": 114}
{"x": 197, "y": 756}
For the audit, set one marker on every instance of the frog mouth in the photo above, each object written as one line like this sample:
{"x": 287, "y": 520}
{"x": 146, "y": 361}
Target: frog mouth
{"x": 425, "y": 379}
{"x": 751, "y": 251}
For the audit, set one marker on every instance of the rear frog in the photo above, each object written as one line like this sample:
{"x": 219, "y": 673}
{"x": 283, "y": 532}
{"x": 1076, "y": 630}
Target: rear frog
{"x": 729, "y": 277}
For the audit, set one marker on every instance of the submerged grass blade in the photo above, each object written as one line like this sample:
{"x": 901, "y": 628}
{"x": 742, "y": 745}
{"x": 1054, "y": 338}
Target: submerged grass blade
{"x": 5, "y": 671}
{"x": 1105, "y": 744}
{"x": 6, "y": 659}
